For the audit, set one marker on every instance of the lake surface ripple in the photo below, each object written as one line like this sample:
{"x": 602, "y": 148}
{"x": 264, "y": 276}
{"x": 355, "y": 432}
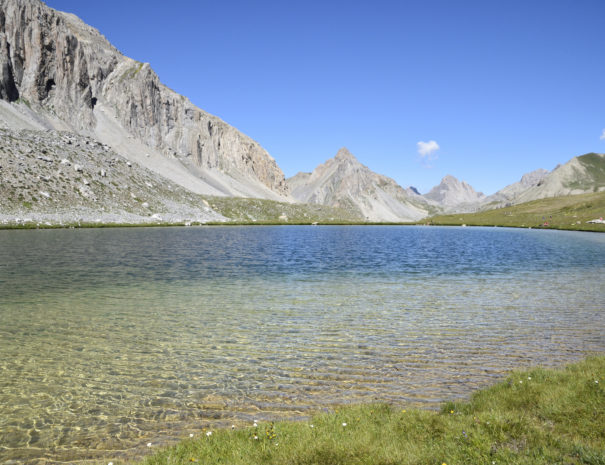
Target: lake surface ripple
{"x": 112, "y": 338}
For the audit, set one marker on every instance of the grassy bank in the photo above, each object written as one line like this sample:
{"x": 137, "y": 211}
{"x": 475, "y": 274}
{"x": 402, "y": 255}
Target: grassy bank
{"x": 540, "y": 416}
{"x": 263, "y": 211}
{"x": 570, "y": 212}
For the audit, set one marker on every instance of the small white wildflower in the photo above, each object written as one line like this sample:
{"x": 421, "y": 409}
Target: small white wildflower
{"x": 256, "y": 437}
{"x": 232, "y": 426}
{"x": 209, "y": 433}
{"x": 148, "y": 444}
{"x": 529, "y": 377}
{"x": 596, "y": 381}
{"x": 312, "y": 426}
{"x": 255, "y": 425}
{"x": 520, "y": 382}
{"x": 344, "y": 424}
{"x": 110, "y": 463}
{"x": 190, "y": 435}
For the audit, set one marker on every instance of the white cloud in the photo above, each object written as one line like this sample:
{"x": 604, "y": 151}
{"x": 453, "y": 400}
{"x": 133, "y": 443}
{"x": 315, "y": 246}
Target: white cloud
{"x": 426, "y": 149}
{"x": 603, "y": 135}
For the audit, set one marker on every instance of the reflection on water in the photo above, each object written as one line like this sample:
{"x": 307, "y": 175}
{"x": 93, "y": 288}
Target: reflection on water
{"x": 113, "y": 338}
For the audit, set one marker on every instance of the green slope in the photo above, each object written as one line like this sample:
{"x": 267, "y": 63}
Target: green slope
{"x": 569, "y": 212}
{"x": 262, "y": 211}
{"x": 595, "y": 166}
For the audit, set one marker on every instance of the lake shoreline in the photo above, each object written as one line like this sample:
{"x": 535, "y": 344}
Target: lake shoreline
{"x": 570, "y": 213}
{"x": 599, "y": 228}
{"x": 534, "y": 415}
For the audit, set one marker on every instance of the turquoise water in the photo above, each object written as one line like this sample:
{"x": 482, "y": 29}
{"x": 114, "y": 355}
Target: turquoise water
{"x": 113, "y": 338}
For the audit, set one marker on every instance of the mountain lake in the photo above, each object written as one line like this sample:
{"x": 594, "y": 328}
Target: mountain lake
{"x": 114, "y": 338}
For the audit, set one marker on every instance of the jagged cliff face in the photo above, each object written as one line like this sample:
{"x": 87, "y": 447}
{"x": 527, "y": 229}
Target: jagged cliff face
{"x": 344, "y": 182}
{"x": 54, "y": 60}
{"x": 68, "y": 74}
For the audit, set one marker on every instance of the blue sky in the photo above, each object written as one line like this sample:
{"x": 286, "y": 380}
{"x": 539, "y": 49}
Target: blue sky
{"x": 502, "y": 87}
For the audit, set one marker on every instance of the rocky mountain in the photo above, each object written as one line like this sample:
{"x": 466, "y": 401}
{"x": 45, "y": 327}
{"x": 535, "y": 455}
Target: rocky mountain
{"x": 58, "y": 73}
{"x": 344, "y": 182}
{"x": 453, "y": 195}
{"x": 509, "y": 194}
{"x": 52, "y": 178}
{"x": 580, "y": 175}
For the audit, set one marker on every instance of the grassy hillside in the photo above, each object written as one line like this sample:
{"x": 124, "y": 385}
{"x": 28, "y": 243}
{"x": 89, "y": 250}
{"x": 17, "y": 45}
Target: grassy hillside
{"x": 540, "y": 416}
{"x": 261, "y": 211}
{"x": 570, "y": 212}
{"x": 595, "y": 166}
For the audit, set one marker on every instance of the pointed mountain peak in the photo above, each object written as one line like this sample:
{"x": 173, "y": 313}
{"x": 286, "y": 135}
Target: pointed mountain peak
{"x": 450, "y": 182}
{"x": 344, "y": 154}
{"x": 344, "y": 182}
{"x": 449, "y": 179}
{"x": 451, "y": 191}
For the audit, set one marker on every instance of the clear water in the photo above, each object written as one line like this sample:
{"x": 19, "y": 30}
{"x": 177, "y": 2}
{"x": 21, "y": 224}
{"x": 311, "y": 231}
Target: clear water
{"x": 110, "y": 339}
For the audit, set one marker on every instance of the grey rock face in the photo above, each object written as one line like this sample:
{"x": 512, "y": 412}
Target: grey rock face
{"x": 509, "y": 194}
{"x": 8, "y": 88}
{"x": 533, "y": 178}
{"x": 65, "y": 70}
{"x": 454, "y": 195}
{"x": 344, "y": 182}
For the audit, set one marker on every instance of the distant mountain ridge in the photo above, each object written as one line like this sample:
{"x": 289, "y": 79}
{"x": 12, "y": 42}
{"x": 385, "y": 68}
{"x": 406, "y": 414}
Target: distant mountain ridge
{"x": 580, "y": 175}
{"x": 454, "y": 195}
{"x": 344, "y": 182}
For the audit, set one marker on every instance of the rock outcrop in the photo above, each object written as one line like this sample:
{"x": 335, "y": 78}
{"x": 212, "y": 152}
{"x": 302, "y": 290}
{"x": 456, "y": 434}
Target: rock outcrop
{"x": 344, "y": 182}
{"x": 508, "y": 195}
{"x": 72, "y": 78}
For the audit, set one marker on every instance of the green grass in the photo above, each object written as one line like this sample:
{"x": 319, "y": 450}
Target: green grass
{"x": 559, "y": 212}
{"x": 263, "y": 211}
{"x": 540, "y": 416}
